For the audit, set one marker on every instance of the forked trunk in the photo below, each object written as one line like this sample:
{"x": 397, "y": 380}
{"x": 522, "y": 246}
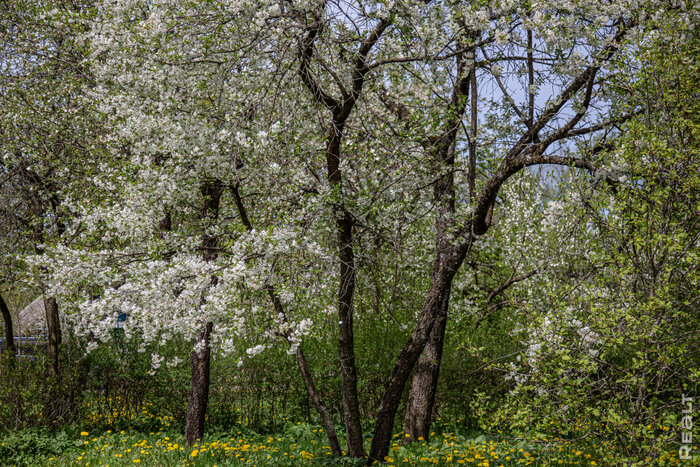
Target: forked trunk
{"x": 444, "y": 269}
{"x": 199, "y": 387}
{"x": 421, "y": 402}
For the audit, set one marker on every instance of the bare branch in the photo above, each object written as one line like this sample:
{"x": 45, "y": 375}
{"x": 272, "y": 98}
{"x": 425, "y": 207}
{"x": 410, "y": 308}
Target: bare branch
{"x": 306, "y": 46}
{"x": 515, "y": 160}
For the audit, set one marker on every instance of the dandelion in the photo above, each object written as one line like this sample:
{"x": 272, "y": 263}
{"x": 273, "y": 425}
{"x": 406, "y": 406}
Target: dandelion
{"x": 84, "y": 433}
{"x": 194, "y": 453}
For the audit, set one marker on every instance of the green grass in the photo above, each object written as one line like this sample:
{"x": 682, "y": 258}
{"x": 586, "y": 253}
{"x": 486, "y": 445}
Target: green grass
{"x": 298, "y": 444}
{"x": 301, "y": 444}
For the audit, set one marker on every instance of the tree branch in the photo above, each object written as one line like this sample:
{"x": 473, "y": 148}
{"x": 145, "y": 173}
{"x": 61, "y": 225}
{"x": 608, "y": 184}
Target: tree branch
{"x": 306, "y": 46}
{"x": 516, "y": 160}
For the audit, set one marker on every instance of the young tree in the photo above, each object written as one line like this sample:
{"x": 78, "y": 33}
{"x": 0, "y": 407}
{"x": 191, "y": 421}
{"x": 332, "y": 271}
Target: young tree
{"x": 168, "y": 238}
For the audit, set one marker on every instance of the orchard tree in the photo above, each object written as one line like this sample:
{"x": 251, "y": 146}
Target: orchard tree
{"x": 330, "y": 124}
{"x": 45, "y": 137}
{"x": 426, "y": 65}
{"x": 170, "y": 237}
{"x": 531, "y": 236}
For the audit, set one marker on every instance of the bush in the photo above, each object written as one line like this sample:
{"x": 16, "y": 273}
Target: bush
{"x": 28, "y": 447}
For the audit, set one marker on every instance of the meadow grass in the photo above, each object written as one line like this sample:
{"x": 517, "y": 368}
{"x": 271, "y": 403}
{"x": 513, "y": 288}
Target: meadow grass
{"x": 302, "y": 444}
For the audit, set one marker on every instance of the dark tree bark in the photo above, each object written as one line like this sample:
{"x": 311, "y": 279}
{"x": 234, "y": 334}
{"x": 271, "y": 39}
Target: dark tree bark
{"x": 526, "y": 152}
{"x": 53, "y": 323}
{"x": 9, "y": 332}
{"x": 444, "y": 268}
{"x": 201, "y": 356}
{"x": 199, "y": 387}
{"x": 453, "y": 241}
{"x": 449, "y": 255}
{"x": 419, "y": 409}
{"x": 56, "y": 396}
{"x": 318, "y": 402}
{"x": 424, "y": 384}
{"x": 421, "y": 401}
{"x": 54, "y": 336}
{"x": 346, "y": 289}
{"x": 341, "y": 109}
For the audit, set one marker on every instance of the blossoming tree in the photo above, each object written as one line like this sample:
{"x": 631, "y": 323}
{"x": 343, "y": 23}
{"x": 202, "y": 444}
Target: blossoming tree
{"x": 260, "y": 148}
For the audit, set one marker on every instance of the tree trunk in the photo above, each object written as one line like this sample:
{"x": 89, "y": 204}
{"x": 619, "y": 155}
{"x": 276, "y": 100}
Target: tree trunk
{"x": 346, "y": 289}
{"x": 419, "y": 409}
{"x": 346, "y": 347}
{"x": 53, "y": 326}
{"x": 55, "y": 405}
{"x": 199, "y": 387}
{"x": 201, "y": 355}
{"x": 450, "y": 252}
{"x": 9, "y": 332}
{"x": 447, "y": 262}
{"x": 344, "y": 221}
{"x": 318, "y": 403}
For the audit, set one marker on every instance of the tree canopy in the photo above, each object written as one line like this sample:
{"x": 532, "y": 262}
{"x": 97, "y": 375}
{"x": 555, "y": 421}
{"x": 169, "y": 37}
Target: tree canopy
{"x": 245, "y": 174}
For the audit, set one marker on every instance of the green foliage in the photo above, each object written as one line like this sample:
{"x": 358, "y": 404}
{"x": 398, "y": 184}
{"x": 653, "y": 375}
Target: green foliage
{"x": 611, "y": 349}
{"x": 298, "y": 444}
{"x": 113, "y": 371}
{"x": 28, "y": 398}
{"x": 20, "y": 395}
{"x": 33, "y": 446}
{"x": 605, "y": 333}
